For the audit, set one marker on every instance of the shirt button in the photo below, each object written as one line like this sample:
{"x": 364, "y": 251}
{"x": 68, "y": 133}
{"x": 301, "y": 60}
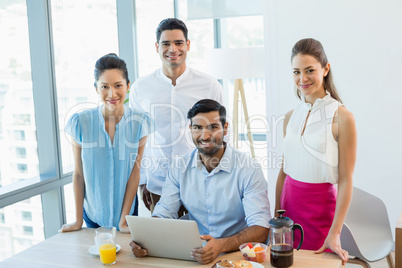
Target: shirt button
{"x": 209, "y": 194}
{"x": 210, "y": 212}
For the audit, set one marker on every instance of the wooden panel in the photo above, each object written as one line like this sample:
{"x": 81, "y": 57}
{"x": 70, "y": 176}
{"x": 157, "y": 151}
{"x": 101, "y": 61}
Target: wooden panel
{"x": 398, "y": 242}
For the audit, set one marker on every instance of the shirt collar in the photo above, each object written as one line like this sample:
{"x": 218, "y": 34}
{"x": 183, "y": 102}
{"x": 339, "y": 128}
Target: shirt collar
{"x": 181, "y": 77}
{"x": 102, "y": 119}
{"x": 226, "y": 163}
{"x": 318, "y": 102}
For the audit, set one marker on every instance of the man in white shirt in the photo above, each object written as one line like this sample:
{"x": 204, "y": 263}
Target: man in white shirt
{"x": 167, "y": 94}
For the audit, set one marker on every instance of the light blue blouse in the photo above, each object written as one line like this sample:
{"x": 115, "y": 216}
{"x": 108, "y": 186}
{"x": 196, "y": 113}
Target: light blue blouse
{"x": 230, "y": 198}
{"x": 106, "y": 165}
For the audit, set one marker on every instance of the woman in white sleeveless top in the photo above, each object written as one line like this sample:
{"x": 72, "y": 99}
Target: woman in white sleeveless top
{"x": 319, "y": 152}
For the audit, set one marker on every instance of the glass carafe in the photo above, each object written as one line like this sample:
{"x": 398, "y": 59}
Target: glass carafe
{"x": 281, "y": 240}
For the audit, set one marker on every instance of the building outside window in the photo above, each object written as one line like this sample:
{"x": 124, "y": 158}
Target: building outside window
{"x": 17, "y": 135}
{"x": 18, "y": 129}
{"x": 27, "y": 230}
{"x": 79, "y": 39}
{"x": 21, "y": 152}
{"x": 26, "y": 215}
{"x": 21, "y": 226}
{"x": 83, "y": 31}
{"x": 2, "y": 218}
{"x": 148, "y": 59}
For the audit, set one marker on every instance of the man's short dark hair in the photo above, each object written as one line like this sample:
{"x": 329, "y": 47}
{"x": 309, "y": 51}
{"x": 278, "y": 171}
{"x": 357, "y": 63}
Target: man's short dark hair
{"x": 206, "y": 106}
{"x": 171, "y": 24}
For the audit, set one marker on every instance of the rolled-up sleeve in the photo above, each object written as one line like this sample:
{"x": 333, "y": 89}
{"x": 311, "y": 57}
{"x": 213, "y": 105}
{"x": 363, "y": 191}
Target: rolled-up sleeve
{"x": 255, "y": 200}
{"x": 170, "y": 201}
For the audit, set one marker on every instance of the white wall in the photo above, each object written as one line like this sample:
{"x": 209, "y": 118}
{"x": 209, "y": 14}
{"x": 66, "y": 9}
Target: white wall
{"x": 363, "y": 42}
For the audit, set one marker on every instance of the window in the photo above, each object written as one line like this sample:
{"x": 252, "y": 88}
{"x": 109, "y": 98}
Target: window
{"x": 21, "y": 226}
{"x": 70, "y": 203}
{"x": 22, "y": 168}
{"x": 239, "y": 32}
{"x": 21, "y": 120}
{"x": 26, "y": 215}
{"x": 148, "y": 59}
{"x": 27, "y": 230}
{"x": 16, "y": 135}
{"x": 83, "y": 31}
{"x": 201, "y": 35}
{"x": 242, "y": 32}
{"x": 21, "y": 152}
{"x": 17, "y": 115}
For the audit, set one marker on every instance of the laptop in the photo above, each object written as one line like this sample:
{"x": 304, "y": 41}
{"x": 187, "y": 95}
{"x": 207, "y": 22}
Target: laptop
{"x": 165, "y": 238}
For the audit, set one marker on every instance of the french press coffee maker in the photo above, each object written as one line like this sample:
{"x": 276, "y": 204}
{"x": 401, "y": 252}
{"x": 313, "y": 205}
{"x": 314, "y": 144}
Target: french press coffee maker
{"x": 281, "y": 240}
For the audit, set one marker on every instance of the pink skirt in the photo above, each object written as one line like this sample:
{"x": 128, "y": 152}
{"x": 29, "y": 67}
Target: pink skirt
{"x": 312, "y": 205}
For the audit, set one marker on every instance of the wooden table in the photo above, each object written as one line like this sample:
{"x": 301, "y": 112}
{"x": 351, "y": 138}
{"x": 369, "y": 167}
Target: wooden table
{"x": 71, "y": 250}
{"x": 398, "y": 242}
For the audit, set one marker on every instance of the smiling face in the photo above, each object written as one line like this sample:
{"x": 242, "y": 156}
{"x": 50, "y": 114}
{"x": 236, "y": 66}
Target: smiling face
{"x": 112, "y": 88}
{"x": 207, "y": 133}
{"x": 308, "y": 76}
{"x": 172, "y": 49}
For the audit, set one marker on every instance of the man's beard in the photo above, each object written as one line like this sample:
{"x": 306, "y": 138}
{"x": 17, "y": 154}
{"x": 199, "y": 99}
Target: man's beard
{"x": 209, "y": 151}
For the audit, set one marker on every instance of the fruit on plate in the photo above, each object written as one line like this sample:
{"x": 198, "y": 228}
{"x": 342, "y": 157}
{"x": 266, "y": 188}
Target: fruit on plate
{"x": 249, "y": 251}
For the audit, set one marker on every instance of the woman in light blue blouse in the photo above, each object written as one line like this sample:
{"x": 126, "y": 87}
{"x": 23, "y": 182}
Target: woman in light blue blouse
{"x": 108, "y": 143}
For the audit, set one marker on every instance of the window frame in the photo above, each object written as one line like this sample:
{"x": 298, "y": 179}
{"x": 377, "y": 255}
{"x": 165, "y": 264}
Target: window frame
{"x": 51, "y": 180}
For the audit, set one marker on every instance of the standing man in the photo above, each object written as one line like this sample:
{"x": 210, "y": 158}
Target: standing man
{"x": 223, "y": 189}
{"x": 167, "y": 94}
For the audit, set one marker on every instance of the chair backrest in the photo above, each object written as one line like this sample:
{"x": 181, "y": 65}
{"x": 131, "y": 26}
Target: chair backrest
{"x": 366, "y": 232}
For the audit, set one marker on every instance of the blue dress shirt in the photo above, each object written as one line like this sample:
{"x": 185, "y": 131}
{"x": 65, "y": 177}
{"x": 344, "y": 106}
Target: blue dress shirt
{"x": 106, "y": 165}
{"x": 230, "y": 198}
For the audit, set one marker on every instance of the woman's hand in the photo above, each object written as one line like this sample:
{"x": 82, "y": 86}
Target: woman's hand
{"x": 333, "y": 242}
{"x": 75, "y": 226}
{"x": 123, "y": 227}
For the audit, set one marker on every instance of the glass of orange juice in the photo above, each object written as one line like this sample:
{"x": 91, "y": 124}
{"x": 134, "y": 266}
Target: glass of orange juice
{"x": 105, "y": 239}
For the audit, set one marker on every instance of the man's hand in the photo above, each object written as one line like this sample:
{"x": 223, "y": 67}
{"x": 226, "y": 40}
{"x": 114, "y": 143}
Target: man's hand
{"x": 208, "y": 253}
{"x": 146, "y": 196}
{"x": 138, "y": 251}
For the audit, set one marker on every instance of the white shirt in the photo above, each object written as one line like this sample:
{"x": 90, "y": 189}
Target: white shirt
{"x": 168, "y": 106}
{"x": 313, "y": 156}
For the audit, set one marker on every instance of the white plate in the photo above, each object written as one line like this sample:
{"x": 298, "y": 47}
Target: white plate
{"x": 94, "y": 250}
{"x": 254, "y": 264}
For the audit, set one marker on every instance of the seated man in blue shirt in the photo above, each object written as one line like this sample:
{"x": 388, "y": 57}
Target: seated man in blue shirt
{"x": 223, "y": 189}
